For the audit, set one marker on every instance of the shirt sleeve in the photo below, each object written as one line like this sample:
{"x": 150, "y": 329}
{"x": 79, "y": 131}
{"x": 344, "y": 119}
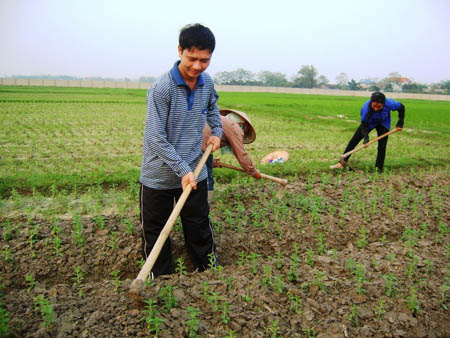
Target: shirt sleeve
{"x": 155, "y": 136}
{"x": 235, "y": 137}
{"x": 365, "y": 112}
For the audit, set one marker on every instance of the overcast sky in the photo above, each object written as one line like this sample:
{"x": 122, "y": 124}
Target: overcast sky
{"x": 133, "y": 38}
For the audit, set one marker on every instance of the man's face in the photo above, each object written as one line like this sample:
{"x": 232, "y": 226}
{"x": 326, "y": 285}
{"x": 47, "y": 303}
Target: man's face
{"x": 377, "y": 106}
{"x": 193, "y": 62}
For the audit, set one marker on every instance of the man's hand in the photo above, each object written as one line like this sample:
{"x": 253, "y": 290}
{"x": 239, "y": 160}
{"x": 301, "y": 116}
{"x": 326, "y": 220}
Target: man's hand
{"x": 216, "y": 163}
{"x": 257, "y": 175}
{"x": 399, "y": 128}
{"x": 188, "y": 179}
{"x": 215, "y": 142}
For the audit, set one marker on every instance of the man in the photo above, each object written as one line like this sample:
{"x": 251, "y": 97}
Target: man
{"x": 178, "y": 106}
{"x": 237, "y": 130}
{"x": 375, "y": 113}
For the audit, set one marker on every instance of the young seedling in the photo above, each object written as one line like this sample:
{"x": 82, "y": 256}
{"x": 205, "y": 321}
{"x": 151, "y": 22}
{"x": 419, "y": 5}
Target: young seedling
{"x": 116, "y": 280}
{"x": 225, "y": 313}
{"x": 379, "y": 310}
{"x": 217, "y": 268}
{"x": 242, "y": 258}
{"x": 295, "y": 303}
{"x": 191, "y": 325}
{"x": 267, "y": 277}
{"x": 129, "y": 226}
{"x": 246, "y": 298}
{"x": 46, "y": 309}
{"x": 181, "y": 268}
{"x": 165, "y": 294}
{"x": 31, "y": 282}
{"x": 99, "y": 221}
{"x": 78, "y": 279}
{"x": 113, "y": 242}
{"x": 253, "y": 258}
{"x": 56, "y": 229}
{"x": 7, "y": 254}
{"x": 273, "y": 329}
{"x": 353, "y": 317}
{"x": 78, "y": 231}
{"x": 230, "y": 334}
{"x": 362, "y": 241}
{"x": 152, "y": 318}
{"x": 443, "y": 290}
{"x": 310, "y": 259}
{"x": 321, "y": 248}
{"x": 412, "y": 301}
{"x": 278, "y": 284}
{"x": 390, "y": 284}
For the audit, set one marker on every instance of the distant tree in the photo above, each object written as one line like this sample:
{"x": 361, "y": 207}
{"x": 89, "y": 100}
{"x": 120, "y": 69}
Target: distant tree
{"x": 353, "y": 85}
{"x": 307, "y": 77}
{"x": 369, "y": 81}
{"x": 374, "y": 88}
{"x": 323, "y": 80}
{"x": 342, "y": 80}
{"x": 445, "y": 85}
{"x": 239, "y": 76}
{"x": 272, "y": 79}
{"x": 413, "y": 88}
{"x": 388, "y": 87}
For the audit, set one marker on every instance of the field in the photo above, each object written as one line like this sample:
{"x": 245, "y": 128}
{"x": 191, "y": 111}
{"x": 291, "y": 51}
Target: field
{"x": 342, "y": 254}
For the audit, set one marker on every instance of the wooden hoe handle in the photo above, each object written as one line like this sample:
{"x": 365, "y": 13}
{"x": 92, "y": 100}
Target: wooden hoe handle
{"x": 370, "y": 142}
{"x": 267, "y": 177}
{"x": 145, "y": 270}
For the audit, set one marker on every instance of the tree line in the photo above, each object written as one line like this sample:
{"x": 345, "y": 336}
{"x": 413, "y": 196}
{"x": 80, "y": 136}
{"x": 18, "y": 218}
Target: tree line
{"x": 308, "y": 77}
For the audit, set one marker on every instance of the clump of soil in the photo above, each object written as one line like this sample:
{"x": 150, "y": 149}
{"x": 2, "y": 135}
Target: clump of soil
{"x": 341, "y": 256}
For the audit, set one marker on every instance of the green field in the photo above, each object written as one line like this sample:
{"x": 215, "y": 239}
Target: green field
{"x": 342, "y": 253}
{"x": 61, "y": 138}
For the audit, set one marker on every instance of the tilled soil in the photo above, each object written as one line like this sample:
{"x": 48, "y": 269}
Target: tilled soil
{"x": 348, "y": 256}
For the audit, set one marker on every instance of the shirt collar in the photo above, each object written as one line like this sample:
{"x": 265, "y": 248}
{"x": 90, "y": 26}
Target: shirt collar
{"x": 176, "y": 75}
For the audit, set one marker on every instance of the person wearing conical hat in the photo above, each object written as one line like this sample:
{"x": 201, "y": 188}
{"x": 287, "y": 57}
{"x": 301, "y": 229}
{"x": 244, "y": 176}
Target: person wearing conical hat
{"x": 375, "y": 114}
{"x": 237, "y": 131}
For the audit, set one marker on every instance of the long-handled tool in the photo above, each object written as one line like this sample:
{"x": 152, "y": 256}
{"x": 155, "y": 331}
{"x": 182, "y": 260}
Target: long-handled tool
{"x": 138, "y": 283}
{"x": 281, "y": 181}
{"x": 370, "y": 142}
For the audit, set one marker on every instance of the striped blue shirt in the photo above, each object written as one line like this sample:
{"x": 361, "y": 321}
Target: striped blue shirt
{"x": 176, "y": 117}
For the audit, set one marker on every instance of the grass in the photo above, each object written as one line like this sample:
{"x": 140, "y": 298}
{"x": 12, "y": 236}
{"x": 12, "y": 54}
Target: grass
{"x": 72, "y": 138}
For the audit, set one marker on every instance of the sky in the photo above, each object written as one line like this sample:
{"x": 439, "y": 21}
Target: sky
{"x": 133, "y": 38}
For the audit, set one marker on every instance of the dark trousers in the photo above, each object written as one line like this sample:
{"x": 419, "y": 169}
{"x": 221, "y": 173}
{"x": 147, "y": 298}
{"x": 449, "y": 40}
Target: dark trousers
{"x": 156, "y": 207}
{"x": 381, "y": 154}
{"x": 209, "y": 167}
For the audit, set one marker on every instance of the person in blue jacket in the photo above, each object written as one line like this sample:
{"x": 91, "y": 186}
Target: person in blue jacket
{"x": 375, "y": 113}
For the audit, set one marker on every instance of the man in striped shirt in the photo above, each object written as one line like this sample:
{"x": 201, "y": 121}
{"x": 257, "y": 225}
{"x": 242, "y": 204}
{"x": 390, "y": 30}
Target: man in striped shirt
{"x": 178, "y": 106}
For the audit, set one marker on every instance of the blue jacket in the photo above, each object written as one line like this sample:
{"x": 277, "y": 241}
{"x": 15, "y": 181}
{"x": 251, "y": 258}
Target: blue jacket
{"x": 383, "y": 117}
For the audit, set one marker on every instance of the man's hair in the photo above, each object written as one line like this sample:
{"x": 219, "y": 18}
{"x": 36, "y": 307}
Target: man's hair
{"x": 197, "y": 36}
{"x": 378, "y": 97}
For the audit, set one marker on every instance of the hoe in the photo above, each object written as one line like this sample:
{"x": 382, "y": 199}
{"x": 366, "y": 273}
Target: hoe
{"x": 138, "y": 283}
{"x": 367, "y": 144}
{"x": 281, "y": 181}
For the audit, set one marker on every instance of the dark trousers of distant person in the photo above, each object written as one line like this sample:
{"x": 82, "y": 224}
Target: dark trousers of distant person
{"x": 381, "y": 153}
{"x": 209, "y": 168}
{"x": 156, "y": 207}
